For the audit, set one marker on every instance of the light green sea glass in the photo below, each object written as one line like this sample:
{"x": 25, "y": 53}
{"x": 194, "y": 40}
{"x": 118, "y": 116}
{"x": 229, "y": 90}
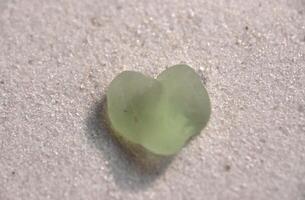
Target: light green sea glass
{"x": 160, "y": 114}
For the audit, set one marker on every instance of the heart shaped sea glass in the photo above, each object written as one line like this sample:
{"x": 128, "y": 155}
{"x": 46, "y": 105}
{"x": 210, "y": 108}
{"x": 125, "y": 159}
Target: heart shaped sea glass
{"x": 161, "y": 114}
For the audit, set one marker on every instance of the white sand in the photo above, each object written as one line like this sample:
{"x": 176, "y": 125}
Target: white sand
{"x": 57, "y": 58}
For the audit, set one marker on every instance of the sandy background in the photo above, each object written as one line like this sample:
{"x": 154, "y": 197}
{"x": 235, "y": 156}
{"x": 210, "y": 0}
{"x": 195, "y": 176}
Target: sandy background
{"x": 57, "y": 58}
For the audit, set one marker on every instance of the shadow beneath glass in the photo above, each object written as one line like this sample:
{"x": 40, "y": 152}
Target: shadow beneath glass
{"x": 127, "y": 173}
